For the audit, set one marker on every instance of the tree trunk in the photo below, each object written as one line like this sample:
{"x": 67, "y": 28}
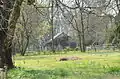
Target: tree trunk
{"x": 8, "y": 58}
{"x": 13, "y": 16}
{"x": 79, "y": 37}
{"x": 82, "y": 34}
{"x": 52, "y": 16}
{"x": 25, "y": 48}
{"x": 1, "y": 49}
{"x": 4, "y": 17}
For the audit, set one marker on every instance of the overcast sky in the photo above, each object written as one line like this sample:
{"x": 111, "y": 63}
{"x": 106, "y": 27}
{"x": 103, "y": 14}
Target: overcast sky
{"x": 70, "y": 2}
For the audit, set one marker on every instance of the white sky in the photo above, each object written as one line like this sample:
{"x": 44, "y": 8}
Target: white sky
{"x": 70, "y": 2}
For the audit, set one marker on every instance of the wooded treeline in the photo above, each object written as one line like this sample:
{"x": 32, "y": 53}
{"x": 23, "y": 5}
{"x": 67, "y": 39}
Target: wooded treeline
{"x": 29, "y": 24}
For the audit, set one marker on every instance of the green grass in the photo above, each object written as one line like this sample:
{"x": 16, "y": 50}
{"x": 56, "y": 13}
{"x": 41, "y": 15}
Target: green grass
{"x": 93, "y": 65}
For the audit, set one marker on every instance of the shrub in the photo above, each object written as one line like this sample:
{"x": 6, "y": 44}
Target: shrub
{"x": 114, "y": 70}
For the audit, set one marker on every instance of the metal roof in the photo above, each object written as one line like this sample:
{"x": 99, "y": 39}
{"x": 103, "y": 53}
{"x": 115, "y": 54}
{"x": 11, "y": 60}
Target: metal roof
{"x": 56, "y": 36}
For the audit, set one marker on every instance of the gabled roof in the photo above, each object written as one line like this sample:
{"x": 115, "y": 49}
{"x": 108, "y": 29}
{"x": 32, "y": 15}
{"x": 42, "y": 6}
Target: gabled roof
{"x": 55, "y": 37}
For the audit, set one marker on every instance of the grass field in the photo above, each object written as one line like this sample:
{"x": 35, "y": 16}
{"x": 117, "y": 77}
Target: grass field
{"x": 92, "y": 65}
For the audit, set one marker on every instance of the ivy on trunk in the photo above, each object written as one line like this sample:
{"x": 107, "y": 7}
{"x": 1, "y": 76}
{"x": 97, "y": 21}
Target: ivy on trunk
{"x": 9, "y": 16}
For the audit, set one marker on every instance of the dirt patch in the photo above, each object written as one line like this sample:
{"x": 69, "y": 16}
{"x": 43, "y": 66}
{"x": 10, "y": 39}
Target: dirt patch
{"x": 69, "y": 58}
